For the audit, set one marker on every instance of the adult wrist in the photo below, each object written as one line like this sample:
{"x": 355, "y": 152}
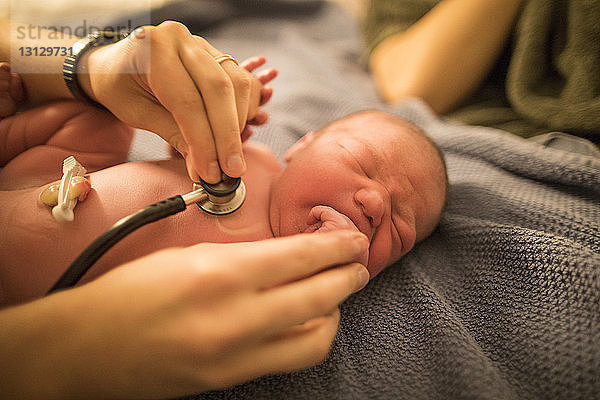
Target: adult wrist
{"x": 84, "y": 73}
{"x": 76, "y": 73}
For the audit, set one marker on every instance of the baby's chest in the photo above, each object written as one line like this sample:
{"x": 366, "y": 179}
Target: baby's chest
{"x": 249, "y": 223}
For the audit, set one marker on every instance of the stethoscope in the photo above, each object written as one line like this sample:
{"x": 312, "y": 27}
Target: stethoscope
{"x": 221, "y": 198}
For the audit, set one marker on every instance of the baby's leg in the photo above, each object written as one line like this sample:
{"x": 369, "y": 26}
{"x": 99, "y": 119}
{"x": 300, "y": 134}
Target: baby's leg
{"x": 33, "y": 144}
{"x": 12, "y": 92}
{"x": 37, "y": 141}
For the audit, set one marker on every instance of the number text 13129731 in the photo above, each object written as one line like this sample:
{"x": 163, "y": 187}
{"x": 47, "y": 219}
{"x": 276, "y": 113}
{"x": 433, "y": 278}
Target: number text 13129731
{"x": 45, "y": 51}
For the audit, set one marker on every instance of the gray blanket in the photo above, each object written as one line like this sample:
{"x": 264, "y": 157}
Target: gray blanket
{"x": 501, "y": 302}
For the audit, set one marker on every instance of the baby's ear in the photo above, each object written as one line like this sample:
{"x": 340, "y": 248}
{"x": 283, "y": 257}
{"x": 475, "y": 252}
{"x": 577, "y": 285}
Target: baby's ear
{"x": 299, "y": 145}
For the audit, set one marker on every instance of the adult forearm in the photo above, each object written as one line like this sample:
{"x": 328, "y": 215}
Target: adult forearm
{"x": 34, "y": 340}
{"x": 444, "y": 56}
{"x": 42, "y": 75}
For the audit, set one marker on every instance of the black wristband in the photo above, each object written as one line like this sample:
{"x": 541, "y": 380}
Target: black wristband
{"x": 79, "y": 48}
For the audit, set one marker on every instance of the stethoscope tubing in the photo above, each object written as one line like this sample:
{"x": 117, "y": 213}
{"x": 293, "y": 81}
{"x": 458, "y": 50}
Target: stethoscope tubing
{"x": 152, "y": 213}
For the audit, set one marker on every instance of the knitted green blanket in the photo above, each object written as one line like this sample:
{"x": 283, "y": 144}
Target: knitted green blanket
{"x": 547, "y": 80}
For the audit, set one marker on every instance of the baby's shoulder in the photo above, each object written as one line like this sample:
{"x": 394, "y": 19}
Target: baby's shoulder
{"x": 258, "y": 153}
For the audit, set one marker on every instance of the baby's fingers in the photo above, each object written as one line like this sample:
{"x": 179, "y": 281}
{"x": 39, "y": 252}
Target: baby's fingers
{"x": 246, "y": 133}
{"x": 253, "y": 62}
{"x": 265, "y": 95}
{"x": 320, "y": 213}
{"x": 260, "y": 118}
{"x": 267, "y": 76}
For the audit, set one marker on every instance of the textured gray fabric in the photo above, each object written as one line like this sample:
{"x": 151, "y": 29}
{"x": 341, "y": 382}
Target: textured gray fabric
{"x": 501, "y": 302}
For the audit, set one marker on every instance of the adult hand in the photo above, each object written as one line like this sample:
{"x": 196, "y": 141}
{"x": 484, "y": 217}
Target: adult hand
{"x": 185, "y": 320}
{"x": 166, "y": 80}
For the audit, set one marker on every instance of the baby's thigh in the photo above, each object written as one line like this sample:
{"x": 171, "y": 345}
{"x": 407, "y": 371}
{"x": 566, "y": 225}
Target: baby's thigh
{"x": 82, "y": 128}
{"x": 36, "y": 141}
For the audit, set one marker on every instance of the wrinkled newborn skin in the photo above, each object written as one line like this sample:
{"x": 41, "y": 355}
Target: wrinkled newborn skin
{"x": 374, "y": 168}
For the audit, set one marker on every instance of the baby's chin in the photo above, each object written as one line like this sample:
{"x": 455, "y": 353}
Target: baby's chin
{"x": 289, "y": 224}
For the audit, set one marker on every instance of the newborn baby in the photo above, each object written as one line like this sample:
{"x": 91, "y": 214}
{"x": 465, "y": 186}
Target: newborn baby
{"x": 369, "y": 171}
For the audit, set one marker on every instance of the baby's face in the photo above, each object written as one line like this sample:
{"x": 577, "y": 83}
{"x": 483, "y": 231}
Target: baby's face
{"x": 372, "y": 168}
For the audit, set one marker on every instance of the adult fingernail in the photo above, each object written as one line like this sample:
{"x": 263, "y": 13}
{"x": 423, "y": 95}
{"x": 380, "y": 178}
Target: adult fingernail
{"x": 360, "y": 242}
{"x": 192, "y": 173}
{"x": 362, "y": 278}
{"x": 214, "y": 172}
{"x": 194, "y": 176}
{"x": 235, "y": 164}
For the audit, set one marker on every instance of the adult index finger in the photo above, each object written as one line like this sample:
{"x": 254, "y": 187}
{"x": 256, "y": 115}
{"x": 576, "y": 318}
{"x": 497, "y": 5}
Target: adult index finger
{"x": 277, "y": 261}
{"x": 218, "y": 92}
{"x": 177, "y": 93}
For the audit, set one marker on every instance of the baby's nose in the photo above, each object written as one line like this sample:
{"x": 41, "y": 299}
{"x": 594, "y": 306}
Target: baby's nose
{"x": 372, "y": 204}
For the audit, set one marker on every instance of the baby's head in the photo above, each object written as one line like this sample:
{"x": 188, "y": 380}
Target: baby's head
{"x": 380, "y": 171}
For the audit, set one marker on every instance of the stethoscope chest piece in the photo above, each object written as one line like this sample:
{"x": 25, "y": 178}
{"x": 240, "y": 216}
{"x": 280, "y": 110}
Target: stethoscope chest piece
{"x": 216, "y": 203}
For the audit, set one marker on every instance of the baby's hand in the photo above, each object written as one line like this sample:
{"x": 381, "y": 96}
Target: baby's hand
{"x": 326, "y": 219}
{"x": 264, "y": 93}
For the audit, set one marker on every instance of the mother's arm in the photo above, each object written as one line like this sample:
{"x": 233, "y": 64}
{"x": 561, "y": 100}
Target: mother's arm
{"x": 444, "y": 56}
